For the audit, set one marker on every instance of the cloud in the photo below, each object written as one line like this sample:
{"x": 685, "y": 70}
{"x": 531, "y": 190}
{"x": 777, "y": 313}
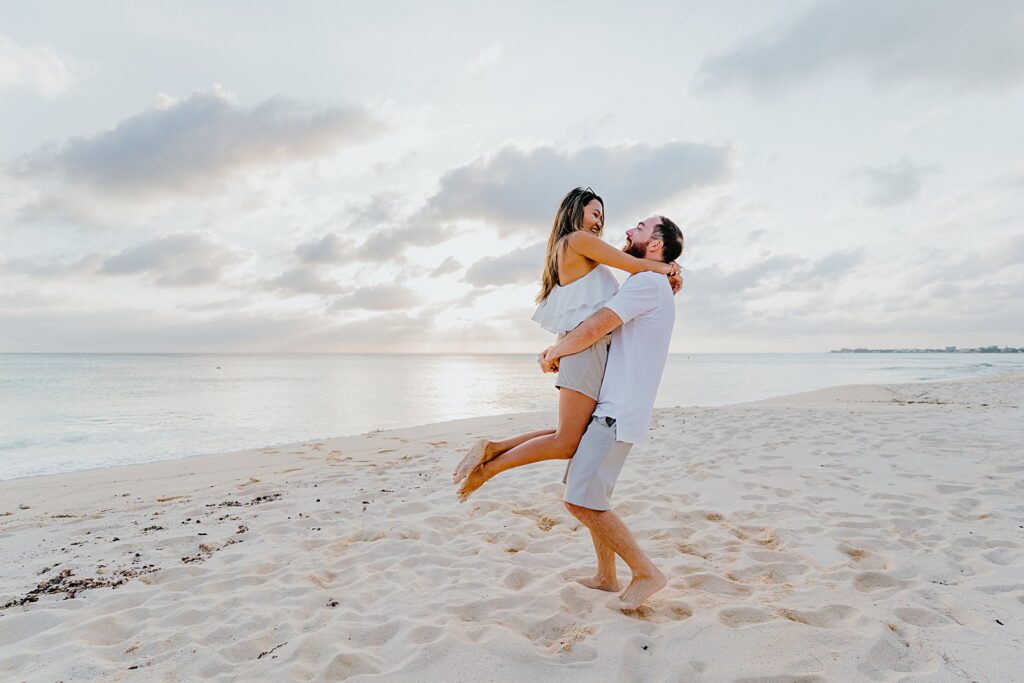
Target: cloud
{"x": 833, "y": 265}
{"x": 302, "y": 280}
{"x": 713, "y": 282}
{"x": 895, "y": 183}
{"x": 520, "y": 266}
{"x": 963, "y": 45}
{"x": 191, "y": 145}
{"x": 716, "y": 299}
{"x": 387, "y": 235}
{"x": 967, "y": 294}
{"x": 384, "y": 245}
{"x": 449, "y": 265}
{"x": 147, "y": 329}
{"x": 40, "y": 69}
{"x": 963, "y": 293}
{"x": 378, "y": 298}
{"x": 328, "y": 249}
{"x": 234, "y": 304}
{"x": 388, "y": 332}
{"x": 518, "y": 190}
{"x": 980, "y": 262}
{"x": 485, "y": 59}
{"x": 1012, "y": 180}
{"x": 381, "y": 209}
{"x": 181, "y": 260}
{"x": 53, "y": 269}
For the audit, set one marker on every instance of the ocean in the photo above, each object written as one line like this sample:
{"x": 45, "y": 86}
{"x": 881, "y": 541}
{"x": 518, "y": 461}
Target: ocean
{"x": 66, "y": 412}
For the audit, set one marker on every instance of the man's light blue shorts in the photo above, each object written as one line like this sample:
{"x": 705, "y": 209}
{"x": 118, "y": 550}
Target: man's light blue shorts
{"x": 591, "y": 473}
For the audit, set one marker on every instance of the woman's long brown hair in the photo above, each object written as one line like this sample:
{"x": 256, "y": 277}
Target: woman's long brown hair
{"x": 568, "y": 220}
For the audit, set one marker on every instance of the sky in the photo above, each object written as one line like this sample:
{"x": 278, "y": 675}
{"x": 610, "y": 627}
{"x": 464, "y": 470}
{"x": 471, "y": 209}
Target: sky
{"x": 357, "y": 177}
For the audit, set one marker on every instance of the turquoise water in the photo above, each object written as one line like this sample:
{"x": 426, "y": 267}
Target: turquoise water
{"x": 64, "y": 412}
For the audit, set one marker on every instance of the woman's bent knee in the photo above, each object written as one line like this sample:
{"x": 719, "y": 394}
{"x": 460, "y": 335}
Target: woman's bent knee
{"x": 564, "y": 447}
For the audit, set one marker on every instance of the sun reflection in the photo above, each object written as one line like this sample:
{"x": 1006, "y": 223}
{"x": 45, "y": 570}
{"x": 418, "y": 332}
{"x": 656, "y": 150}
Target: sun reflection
{"x": 461, "y": 385}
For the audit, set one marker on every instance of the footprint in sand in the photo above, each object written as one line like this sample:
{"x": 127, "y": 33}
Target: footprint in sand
{"x": 687, "y": 549}
{"x": 738, "y": 617}
{"x": 558, "y": 633}
{"x": 869, "y": 582}
{"x": 1003, "y": 553}
{"x": 952, "y": 488}
{"x": 892, "y": 657}
{"x": 659, "y": 612}
{"x": 516, "y": 579}
{"x": 771, "y": 572}
{"x": 830, "y": 616}
{"x": 713, "y": 583}
{"x": 921, "y": 617}
{"x": 864, "y": 559}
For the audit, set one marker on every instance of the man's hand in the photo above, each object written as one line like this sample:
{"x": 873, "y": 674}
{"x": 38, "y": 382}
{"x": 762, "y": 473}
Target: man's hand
{"x": 547, "y": 362}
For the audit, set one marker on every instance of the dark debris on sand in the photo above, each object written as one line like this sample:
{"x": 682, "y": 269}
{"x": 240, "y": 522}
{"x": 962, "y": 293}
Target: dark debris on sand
{"x": 264, "y": 654}
{"x": 66, "y": 583}
{"x": 206, "y": 550}
{"x": 237, "y": 503}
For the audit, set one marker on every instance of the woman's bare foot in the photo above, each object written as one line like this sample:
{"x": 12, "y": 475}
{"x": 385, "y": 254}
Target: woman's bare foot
{"x": 599, "y": 583}
{"x": 475, "y": 480}
{"x": 639, "y": 589}
{"x": 481, "y": 452}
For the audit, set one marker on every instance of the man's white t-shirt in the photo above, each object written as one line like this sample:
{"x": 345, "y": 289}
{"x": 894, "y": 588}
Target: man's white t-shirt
{"x": 637, "y": 355}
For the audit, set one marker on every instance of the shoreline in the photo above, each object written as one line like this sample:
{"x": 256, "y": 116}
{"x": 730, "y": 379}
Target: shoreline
{"x": 858, "y": 532}
{"x": 282, "y": 445}
{"x": 528, "y": 415}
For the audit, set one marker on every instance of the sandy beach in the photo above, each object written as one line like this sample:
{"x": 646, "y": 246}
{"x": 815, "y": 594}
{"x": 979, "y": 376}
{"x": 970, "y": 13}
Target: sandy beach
{"x": 855, "y": 533}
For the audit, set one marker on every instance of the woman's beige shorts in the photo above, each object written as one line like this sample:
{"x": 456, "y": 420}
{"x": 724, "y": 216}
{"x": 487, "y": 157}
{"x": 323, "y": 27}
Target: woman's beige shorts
{"x": 584, "y": 371}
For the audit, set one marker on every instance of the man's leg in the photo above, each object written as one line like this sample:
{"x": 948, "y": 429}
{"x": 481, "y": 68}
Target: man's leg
{"x": 605, "y": 578}
{"x": 610, "y": 530}
{"x": 574, "y": 413}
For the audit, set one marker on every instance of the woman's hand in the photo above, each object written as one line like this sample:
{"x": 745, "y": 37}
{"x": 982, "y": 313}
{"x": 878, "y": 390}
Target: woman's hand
{"x": 675, "y": 281}
{"x": 547, "y": 362}
{"x": 668, "y": 269}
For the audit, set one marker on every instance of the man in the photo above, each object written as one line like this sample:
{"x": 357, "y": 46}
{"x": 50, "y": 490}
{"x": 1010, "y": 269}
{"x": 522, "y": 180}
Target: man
{"x": 641, "y": 317}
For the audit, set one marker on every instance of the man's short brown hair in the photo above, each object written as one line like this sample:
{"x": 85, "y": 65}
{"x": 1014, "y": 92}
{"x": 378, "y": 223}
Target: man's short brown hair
{"x": 672, "y": 237}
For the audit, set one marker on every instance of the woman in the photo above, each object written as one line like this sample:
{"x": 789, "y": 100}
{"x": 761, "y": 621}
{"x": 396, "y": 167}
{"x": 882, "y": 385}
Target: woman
{"x": 576, "y": 282}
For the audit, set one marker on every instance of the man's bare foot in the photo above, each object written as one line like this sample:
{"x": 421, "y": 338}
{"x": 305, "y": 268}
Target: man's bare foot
{"x": 601, "y": 584}
{"x": 481, "y": 452}
{"x": 639, "y": 589}
{"x": 475, "y": 480}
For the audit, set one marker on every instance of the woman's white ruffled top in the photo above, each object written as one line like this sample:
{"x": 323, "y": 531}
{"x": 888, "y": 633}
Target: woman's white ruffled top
{"x": 569, "y": 305}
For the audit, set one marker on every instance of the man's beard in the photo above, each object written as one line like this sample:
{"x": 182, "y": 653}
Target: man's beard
{"x": 637, "y": 250}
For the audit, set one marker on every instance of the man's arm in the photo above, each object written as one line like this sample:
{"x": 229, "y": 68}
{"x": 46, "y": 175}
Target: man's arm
{"x": 585, "y": 334}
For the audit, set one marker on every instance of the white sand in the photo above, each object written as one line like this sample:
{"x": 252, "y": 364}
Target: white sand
{"x": 857, "y": 533}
